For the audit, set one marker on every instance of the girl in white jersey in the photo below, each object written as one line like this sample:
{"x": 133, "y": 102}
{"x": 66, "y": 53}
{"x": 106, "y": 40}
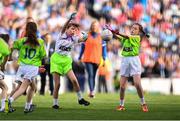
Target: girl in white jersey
{"x": 61, "y": 61}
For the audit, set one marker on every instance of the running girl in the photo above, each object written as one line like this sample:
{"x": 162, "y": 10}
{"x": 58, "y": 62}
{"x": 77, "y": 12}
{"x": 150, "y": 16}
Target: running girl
{"x": 31, "y": 52}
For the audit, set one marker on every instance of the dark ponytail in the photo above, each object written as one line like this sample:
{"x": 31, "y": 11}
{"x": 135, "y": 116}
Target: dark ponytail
{"x": 5, "y": 37}
{"x": 142, "y": 30}
{"x": 31, "y": 30}
{"x": 144, "y": 33}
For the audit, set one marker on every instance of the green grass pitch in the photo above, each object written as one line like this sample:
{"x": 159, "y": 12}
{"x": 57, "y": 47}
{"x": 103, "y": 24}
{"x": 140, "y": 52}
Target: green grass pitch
{"x": 102, "y": 107}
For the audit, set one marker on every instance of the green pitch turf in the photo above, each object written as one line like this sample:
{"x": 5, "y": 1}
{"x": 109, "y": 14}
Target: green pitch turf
{"x": 102, "y": 108}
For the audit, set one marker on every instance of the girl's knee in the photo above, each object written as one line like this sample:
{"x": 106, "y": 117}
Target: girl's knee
{"x": 74, "y": 81}
{"x": 57, "y": 86}
{"x": 21, "y": 90}
{"x": 137, "y": 85}
{"x": 57, "y": 82}
{"x": 4, "y": 87}
{"x": 122, "y": 87}
{"x": 32, "y": 89}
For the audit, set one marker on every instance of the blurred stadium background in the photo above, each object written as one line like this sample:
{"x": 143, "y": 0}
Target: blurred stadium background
{"x": 160, "y": 55}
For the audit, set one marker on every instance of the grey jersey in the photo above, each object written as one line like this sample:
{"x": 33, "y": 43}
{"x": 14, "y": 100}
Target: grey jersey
{"x": 64, "y": 44}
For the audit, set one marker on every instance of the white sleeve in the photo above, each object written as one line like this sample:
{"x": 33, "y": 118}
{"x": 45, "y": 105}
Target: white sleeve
{"x": 75, "y": 39}
{"x": 59, "y": 35}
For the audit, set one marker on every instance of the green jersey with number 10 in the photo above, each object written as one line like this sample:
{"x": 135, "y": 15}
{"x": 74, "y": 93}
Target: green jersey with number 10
{"x": 30, "y": 55}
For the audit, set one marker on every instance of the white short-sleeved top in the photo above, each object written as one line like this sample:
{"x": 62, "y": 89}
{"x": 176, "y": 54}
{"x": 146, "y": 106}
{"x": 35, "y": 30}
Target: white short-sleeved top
{"x": 64, "y": 44}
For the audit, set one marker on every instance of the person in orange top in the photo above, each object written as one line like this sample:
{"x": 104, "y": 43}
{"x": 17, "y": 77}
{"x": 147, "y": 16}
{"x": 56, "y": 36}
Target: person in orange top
{"x": 92, "y": 51}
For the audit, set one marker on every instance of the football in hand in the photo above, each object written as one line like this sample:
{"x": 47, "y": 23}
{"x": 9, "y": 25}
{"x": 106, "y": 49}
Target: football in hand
{"x": 106, "y": 35}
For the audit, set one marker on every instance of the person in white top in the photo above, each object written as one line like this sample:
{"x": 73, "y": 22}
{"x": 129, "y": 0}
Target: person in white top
{"x": 61, "y": 61}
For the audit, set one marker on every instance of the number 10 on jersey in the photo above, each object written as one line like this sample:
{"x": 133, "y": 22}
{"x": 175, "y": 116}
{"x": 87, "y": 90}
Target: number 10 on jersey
{"x": 30, "y": 53}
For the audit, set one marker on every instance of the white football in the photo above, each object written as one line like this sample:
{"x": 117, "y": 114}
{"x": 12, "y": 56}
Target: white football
{"x": 84, "y": 35}
{"x": 106, "y": 35}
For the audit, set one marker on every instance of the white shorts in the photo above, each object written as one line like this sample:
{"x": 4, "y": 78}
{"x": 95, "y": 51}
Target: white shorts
{"x": 1, "y": 75}
{"x": 26, "y": 72}
{"x": 130, "y": 66}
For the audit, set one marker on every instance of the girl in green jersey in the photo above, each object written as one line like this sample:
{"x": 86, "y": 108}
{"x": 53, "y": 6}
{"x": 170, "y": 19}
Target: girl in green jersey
{"x": 32, "y": 88}
{"x": 4, "y": 52}
{"x": 131, "y": 65}
{"x": 31, "y": 52}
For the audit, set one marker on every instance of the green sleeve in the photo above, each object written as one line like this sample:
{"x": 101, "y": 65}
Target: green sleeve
{"x": 120, "y": 37}
{"x": 135, "y": 40}
{"x": 4, "y": 48}
{"x": 17, "y": 44}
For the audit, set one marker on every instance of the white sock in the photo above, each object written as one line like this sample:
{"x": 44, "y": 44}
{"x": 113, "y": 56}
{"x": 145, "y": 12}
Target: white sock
{"x": 79, "y": 95}
{"x": 122, "y": 102}
{"x": 55, "y": 102}
{"x": 3, "y": 103}
{"x": 11, "y": 99}
{"x": 27, "y": 106}
{"x": 31, "y": 102}
{"x": 142, "y": 101}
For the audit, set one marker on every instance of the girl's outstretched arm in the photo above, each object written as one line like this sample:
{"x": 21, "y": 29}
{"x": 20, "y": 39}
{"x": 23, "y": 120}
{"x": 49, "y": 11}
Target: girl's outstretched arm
{"x": 66, "y": 24}
{"x": 116, "y": 33}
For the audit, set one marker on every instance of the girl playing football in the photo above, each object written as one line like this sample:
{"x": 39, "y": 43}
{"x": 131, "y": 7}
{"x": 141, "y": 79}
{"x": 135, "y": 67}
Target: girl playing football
{"x": 18, "y": 80}
{"x": 131, "y": 65}
{"x": 31, "y": 51}
{"x": 61, "y": 61}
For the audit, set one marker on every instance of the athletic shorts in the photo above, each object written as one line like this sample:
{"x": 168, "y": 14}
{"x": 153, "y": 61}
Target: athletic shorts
{"x": 60, "y": 64}
{"x": 1, "y": 75}
{"x": 26, "y": 72}
{"x": 130, "y": 66}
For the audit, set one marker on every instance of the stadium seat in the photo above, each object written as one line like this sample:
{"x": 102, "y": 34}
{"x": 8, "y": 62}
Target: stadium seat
{"x": 161, "y": 85}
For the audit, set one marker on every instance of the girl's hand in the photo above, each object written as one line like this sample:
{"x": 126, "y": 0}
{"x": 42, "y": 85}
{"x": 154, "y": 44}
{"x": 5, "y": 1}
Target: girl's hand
{"x": 109, "y": 28}
{"x": 83, "y": 37}
{"x": 42, "y": 69}
{"x": 116, "y": 32}
{"x": 73, "y": 15}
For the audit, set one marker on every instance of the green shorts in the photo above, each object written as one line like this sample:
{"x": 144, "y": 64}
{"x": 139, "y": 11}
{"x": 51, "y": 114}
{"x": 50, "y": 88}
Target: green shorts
{"x": 60, "y": 64}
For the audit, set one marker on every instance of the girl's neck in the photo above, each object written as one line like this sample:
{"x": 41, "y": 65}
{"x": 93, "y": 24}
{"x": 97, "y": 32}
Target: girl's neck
{"x": 94, "y": 34}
